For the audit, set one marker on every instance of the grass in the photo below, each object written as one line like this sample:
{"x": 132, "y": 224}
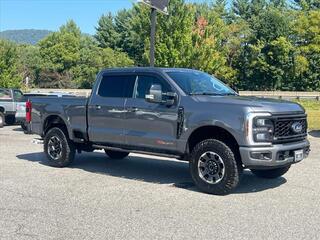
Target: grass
{"x": 313, "y": 110}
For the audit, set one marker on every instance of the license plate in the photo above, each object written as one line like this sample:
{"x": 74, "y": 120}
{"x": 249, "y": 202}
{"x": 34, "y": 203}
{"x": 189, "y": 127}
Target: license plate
{"x": 298, "y": 155}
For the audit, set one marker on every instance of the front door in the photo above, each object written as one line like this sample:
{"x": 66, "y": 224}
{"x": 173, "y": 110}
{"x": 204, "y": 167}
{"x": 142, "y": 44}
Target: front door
{"x": 106, "y": 109}
{"x": 150, "y": 125}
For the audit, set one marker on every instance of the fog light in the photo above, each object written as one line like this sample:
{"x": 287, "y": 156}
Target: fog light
{"x": 261, "y": 136}
{"x": 261, "y": 155}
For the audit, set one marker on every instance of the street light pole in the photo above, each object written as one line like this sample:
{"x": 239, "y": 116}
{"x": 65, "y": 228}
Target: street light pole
{"x": 153, "y": 35}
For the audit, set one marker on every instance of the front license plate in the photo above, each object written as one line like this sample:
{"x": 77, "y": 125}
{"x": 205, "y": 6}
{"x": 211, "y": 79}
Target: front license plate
{"x": 298, "y": 155}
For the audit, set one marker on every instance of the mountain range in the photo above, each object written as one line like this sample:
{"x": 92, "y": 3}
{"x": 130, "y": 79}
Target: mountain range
{"x": 27, "y": 36}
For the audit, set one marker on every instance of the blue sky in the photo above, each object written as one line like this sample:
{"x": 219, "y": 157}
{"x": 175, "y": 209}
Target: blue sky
{"x": 50, "y": 14}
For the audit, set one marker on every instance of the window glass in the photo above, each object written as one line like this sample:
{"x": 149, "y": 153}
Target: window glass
{"x": 17, "y": 94}
{"x": 117, "y": 86}
{"x": 144, "y": 83}
{"x": 196, "y": 82}
{"x": 5, "y": 94}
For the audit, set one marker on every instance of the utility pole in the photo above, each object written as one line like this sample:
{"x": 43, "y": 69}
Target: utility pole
{"x": 153, "y": 35}
{"x": 156, "y": 6}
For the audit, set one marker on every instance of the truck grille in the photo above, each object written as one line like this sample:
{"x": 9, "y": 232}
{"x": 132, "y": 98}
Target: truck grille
{"x": 290, "y": 128}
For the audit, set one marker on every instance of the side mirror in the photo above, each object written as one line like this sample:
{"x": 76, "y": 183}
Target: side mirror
{"x": 157, "y": 96}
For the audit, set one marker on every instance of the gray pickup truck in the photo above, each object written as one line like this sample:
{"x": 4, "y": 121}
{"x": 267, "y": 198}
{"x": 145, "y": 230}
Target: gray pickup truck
{"x": 8, "y": 102}
{"x": 178, "y": 113}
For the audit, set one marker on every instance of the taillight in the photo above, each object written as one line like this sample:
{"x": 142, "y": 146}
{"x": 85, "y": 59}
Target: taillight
{"x": 28, "y": 111}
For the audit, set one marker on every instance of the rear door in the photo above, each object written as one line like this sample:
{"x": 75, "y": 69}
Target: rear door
{"x": 106, "y": 110}
{"x": 150, "y": 125}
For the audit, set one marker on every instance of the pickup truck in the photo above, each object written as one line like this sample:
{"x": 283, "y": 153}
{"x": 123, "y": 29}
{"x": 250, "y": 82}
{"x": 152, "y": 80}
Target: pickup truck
{"x": 179, "y": 113}
{"x": 8, "y": 102}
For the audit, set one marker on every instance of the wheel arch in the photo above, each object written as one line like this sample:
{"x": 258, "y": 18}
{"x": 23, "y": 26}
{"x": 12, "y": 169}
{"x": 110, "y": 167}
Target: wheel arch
{"x": 54, "y": 121}
{"x": 213, "y": 132}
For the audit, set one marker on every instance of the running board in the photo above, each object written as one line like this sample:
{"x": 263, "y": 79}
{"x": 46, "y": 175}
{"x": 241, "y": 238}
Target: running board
{"x": 137, "y": 151}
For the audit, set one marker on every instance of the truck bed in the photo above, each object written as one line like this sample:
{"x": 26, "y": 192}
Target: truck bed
{"x": 72, "y": 110}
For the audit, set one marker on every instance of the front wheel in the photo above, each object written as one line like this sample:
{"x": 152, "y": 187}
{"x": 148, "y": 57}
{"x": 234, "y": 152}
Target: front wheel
{"x": 214, "y": 168}
{"x": 116, "y": 154}
{"x": 58, "y": 148}
{"x": 271, "y": 173}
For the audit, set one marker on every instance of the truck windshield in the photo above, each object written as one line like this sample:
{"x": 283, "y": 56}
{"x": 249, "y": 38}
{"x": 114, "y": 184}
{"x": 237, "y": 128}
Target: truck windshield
{"x": 199, "y": 83}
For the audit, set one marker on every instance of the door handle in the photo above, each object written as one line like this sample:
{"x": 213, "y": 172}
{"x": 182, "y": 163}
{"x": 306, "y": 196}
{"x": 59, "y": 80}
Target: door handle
{"x": 133, "y": 109}
{"x": 98, "y": 107}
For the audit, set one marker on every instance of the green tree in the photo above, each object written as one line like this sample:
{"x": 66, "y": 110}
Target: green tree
{"x": 30, "y": 63}
{"x": 71, "y": 59}
{"x": 106, "y": 34}
{"x": 307, "y": 59}
{"x": 10, "y": 76}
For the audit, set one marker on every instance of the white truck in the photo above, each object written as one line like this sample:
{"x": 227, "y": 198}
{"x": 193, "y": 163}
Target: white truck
{"x": 8, "y": 104}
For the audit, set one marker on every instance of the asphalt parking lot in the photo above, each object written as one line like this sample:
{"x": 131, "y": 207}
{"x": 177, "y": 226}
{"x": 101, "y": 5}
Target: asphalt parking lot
{"x": 145, "y": 197}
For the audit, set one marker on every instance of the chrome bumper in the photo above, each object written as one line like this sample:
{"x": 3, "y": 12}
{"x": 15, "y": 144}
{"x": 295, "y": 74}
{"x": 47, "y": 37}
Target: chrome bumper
{"x": 281, "y": 154}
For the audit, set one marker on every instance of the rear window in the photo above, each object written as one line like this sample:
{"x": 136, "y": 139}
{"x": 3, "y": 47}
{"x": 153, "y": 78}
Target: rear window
{"x": 117, "y": 86}
{"x": 5, "y": 94}
{"x": 17, "y": 94}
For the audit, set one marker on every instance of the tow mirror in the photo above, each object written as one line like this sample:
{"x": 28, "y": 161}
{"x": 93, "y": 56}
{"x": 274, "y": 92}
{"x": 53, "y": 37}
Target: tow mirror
{"x": 157, "y": 96}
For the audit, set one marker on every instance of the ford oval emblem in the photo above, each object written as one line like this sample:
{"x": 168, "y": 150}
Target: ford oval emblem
{"x": 296, "y": 127}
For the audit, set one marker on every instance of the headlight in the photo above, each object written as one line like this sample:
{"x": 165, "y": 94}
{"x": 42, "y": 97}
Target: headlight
{"x": 259, "y": 128}
{"x": 262, "y": 129}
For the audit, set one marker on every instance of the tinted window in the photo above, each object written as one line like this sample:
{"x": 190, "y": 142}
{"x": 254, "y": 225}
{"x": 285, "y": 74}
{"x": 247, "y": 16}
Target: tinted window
{"x": 144, "y": 83}
{"x": 117, "y": 86}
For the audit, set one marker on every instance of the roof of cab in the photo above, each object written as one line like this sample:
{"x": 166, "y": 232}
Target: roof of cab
{"x": 143, "y": 69}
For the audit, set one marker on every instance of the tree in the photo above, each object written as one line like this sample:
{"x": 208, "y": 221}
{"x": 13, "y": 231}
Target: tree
{"x": 106, "y": 34}
{"x": 72, "y": 59}
{"x": 307, "y": 42}
{"x": 9, "y": 68}
{"x": 29, "y": 63}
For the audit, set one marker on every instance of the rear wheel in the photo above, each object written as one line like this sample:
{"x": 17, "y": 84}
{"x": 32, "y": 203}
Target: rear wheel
{"x": 271, "y": 173}
{"x": 10, "y": 119}
{"x": 214, "y": 168}
{"x": 116, "y": 154}
{"x": 1, "y": 119}
{"x": 58, "y": 148}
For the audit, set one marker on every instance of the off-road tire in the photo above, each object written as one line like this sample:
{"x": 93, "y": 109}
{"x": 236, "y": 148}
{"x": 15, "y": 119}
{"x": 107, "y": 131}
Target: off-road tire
{"x": 232, "y": 170}
{"x": 271, "y": 173}
{"x": 116, "y": 154}
{"x": 67, "y": 150}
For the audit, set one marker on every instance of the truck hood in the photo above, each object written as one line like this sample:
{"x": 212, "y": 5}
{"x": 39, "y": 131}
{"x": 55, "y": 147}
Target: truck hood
{"x": 255, "y": 103}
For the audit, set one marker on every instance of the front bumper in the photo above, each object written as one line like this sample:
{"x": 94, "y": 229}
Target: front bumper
{"x": 277, "y": 159}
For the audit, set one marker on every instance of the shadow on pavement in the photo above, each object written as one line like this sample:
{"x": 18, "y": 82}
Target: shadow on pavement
{"x": 152, "y": 170}
{"x": 315, "y": 133}
{"x": 17, "y": 129}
